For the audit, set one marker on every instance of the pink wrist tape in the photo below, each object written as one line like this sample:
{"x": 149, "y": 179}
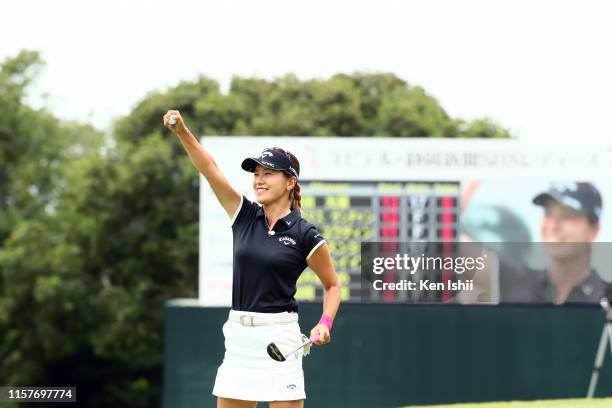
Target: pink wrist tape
{"x": 327, "y": 321}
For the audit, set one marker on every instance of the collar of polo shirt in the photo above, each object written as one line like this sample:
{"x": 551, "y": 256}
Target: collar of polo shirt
{"x": 284, "y": 223}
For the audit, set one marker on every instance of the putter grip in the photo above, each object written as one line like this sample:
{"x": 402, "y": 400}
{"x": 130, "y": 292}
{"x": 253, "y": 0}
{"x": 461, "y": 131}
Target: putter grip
{"x": 315, "y": 337}
{"x": 172, "y": 120}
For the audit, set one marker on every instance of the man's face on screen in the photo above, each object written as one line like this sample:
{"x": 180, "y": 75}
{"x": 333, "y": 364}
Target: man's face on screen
{"x": 566, "y": 229}
{"x": 564, "y": 224}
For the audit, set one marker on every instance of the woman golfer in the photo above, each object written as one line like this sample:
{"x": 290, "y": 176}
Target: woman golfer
{"x": 272, "y": 245}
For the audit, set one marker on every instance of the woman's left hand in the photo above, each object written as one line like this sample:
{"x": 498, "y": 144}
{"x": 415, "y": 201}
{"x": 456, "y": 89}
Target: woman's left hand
{"x": 323, "y": 332}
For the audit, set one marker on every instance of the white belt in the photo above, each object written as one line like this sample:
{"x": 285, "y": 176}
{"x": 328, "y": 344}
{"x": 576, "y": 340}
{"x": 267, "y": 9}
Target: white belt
{"x": 251, "y": 320}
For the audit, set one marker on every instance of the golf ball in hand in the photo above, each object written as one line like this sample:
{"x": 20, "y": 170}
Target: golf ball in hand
{"x": 172, "y": 120}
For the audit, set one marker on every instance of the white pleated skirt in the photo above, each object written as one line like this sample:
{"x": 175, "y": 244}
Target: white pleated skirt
{"x": 249, "y": 373}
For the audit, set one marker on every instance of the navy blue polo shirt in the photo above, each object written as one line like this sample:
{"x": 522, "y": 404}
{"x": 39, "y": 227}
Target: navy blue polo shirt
{"x": 267, "y": 267}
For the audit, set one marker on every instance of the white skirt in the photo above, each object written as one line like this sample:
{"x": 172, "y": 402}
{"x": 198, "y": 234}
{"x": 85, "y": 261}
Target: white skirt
{"x": 249, "y": 373}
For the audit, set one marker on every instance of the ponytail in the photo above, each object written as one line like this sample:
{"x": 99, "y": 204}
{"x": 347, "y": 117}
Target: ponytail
{"x": 295, "y": 197}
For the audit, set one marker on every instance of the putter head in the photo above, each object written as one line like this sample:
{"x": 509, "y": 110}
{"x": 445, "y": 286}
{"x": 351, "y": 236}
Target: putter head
{"x": 275, "y": 353}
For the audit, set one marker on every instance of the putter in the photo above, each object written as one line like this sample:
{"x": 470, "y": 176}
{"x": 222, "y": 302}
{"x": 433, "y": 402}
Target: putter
{"x": 276, "y": 354}
{"x": 172, "y": 120}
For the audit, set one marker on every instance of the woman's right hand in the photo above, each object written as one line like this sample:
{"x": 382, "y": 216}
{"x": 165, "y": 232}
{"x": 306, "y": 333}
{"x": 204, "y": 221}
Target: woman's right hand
{"x": 179, "y": 126}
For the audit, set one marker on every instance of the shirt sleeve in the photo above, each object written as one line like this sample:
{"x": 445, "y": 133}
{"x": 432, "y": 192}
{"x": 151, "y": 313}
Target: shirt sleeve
{"x": 312, "y": 240}
{"x": 245, "y": 211}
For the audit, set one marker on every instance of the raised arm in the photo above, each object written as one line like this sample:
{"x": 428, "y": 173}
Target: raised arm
{"x": 203, "y": 161}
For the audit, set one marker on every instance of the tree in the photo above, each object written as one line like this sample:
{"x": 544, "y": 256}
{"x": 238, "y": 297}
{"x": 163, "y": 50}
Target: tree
{"x": 41, "y": 291}
{"x": 344, "y": 105}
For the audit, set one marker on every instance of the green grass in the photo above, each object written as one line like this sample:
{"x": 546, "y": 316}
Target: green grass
{"x": 566, "y": 403}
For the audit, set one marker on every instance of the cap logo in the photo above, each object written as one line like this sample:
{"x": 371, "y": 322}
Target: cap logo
{"x": 267, "y": 163}
{"x": 566, "y": 186}
{"x": 266, "y": 154}
{"x": 571, "y": 202}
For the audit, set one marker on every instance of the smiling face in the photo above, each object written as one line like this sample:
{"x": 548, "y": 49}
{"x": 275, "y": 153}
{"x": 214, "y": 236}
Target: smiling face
{"x": 566, "y": 231}
{"x": 271, "y": 185}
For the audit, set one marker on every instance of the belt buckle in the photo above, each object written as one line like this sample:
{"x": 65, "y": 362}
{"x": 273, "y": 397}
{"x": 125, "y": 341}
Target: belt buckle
{"x": 242, "y": 321}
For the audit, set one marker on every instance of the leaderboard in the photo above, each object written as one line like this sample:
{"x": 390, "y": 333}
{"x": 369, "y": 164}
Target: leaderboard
{"x": 349, "y": 213}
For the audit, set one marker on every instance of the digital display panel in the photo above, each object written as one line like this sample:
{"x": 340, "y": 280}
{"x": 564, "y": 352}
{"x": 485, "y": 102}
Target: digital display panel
{"x": 349, "y": 213}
